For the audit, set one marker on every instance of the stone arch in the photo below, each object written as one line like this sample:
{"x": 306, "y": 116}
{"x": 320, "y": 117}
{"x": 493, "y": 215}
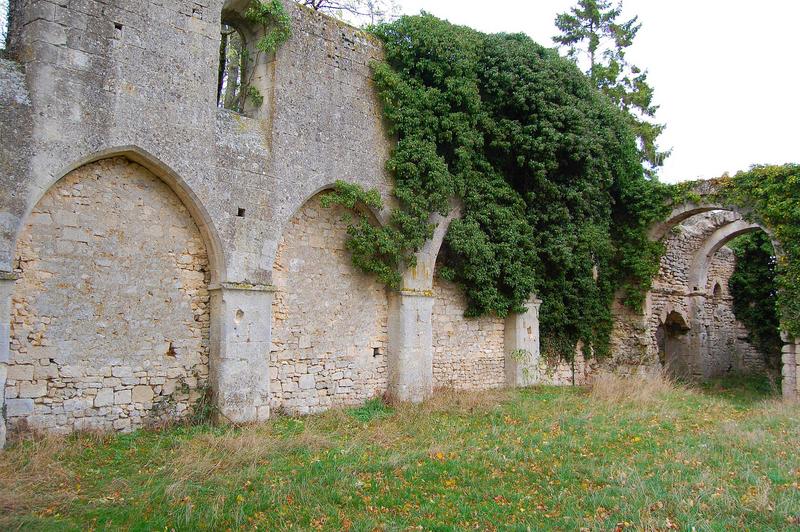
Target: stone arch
{"x": 110, "y": 320}
{"x": 698, "y": 270}
{"x": 330, "y": 321}
{"x": 420, "y": 277}
{"x": 165, "y": 173}
{"x": 696, "y": 297}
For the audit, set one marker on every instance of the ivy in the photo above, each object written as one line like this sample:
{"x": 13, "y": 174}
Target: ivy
{"x": 555, "y": 201}
{"x": 752, "y": 286}
{"x": 277, "y": 24}
{"x": 771, "y": 193}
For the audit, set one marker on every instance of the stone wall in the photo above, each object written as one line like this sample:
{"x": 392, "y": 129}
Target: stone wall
{"x": 560, "y": 373}
{"x": 467, "y": 352}
{"x": 110, "y": 316}
{"x": 329, "y": 330}
{"x": 85, "y": 81}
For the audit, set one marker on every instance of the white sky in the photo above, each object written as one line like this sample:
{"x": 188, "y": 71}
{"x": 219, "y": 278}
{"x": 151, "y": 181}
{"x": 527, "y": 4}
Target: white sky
{"x": 726, "y": 73}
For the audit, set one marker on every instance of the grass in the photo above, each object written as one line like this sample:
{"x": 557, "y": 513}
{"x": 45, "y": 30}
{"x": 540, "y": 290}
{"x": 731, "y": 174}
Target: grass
{"x": 629, "y": 454}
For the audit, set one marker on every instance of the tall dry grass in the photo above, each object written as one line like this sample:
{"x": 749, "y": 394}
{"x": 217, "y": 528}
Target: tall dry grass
{"x": 640, "y": 388}
{"x": 34, "y": 477}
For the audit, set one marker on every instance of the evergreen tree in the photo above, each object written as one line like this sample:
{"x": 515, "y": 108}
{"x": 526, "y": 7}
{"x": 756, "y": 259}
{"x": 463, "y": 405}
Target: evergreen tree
{"x": 597, "y": 42}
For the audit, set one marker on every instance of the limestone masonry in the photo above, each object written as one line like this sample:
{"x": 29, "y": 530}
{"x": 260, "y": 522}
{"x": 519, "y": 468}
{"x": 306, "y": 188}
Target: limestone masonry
{"x": 157, "y": 251}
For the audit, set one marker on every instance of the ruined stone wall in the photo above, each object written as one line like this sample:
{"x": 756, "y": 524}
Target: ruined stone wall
{"x": 89, "y": 80}
{"x": 329, "y": 330}
{"x": 560, "y": 373}
{"x": 110, "y": 317}
{"x": 716, "y": 343}
{"x": 467, "y": 352}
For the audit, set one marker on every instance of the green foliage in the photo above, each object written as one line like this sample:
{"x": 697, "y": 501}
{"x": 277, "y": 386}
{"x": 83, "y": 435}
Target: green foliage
{"x": 554, "y": 200}
{"x": 771, "y": 193}
{"x": 376, "y": 249}
{"x": 591, "y": 28}
{"x": 256, "y": 98}
{"x": 372, "y": 409}
{"x": 753, "y": 287}
{"x": 272, "y": 16}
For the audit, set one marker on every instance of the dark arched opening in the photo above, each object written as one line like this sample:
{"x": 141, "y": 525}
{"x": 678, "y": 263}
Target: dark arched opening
{"x": 673, "y": 346}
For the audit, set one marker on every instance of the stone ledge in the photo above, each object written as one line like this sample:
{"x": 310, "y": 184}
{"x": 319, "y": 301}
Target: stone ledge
{"x": 243, "y": 286}
{"x": 415, "y": 293}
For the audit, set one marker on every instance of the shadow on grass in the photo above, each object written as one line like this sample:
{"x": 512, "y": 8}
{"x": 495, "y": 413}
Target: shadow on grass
{"x": 743, "y": 390}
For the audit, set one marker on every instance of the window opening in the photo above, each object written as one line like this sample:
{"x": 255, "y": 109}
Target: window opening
{"x": 233, "y": 79}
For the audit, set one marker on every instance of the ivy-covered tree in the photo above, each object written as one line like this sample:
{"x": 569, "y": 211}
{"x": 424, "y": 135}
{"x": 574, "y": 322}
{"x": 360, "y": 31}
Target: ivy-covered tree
{"x": 554, "y": 200}
{"x": 356, "y": 11}
{"x": 597, "y": 41}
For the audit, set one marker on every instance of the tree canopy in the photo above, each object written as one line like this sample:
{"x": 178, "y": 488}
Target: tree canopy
{"x": 592, "y": 35}
{"x": 554, "y": 197}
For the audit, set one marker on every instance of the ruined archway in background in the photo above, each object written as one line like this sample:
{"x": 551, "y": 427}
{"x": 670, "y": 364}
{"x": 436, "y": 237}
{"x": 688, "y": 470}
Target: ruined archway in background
{"x": 329, "y": 320}
{"x": 111, "y": 315}
{"x": 705, "y": 201}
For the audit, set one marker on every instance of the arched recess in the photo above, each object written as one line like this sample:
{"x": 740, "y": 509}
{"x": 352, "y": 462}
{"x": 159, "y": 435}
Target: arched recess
{"x": 253, "y": 67}
{"x": 329, "y": 320}
{"x": 166, "y": 174}
{"x": 111, "y": 316}
{"x": 468, "y": 353}
{"x": 674, "y": 345}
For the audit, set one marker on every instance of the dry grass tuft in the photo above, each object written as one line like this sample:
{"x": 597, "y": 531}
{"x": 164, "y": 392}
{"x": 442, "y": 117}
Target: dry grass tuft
{"x": 448, "y": 400}
{"x": 641, "y": 388}
{"x": 33, "y": 477}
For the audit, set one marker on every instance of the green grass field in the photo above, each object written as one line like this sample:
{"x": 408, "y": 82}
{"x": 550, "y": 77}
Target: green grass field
{"x": 628, "y": 455}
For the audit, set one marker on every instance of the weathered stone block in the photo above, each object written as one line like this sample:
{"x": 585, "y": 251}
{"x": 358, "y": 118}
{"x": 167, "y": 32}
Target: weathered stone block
{"x": 122, "y": 397}
{"x": 307, "y": 382}
{"x": 142, "y": 394}
{"x": 104, "y": 397}
{"x": 32, "y": 390}
{"x": 22, "y": 372}
{"x": 19, "y": 407}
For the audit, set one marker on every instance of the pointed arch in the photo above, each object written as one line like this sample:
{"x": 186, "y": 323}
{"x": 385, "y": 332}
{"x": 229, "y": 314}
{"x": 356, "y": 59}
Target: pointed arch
{"x": 165, "y": 173}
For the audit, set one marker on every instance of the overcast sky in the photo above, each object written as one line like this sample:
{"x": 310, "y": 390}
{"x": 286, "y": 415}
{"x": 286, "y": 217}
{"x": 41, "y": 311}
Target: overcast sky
{"x": 726, "y": 73}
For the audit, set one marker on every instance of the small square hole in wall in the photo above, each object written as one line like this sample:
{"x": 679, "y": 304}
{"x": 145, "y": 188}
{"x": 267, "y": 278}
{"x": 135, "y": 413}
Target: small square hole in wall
{"x": 376, "y": 351}
{"x": 240, "y": 212}
{"x": 117, "y": 30}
